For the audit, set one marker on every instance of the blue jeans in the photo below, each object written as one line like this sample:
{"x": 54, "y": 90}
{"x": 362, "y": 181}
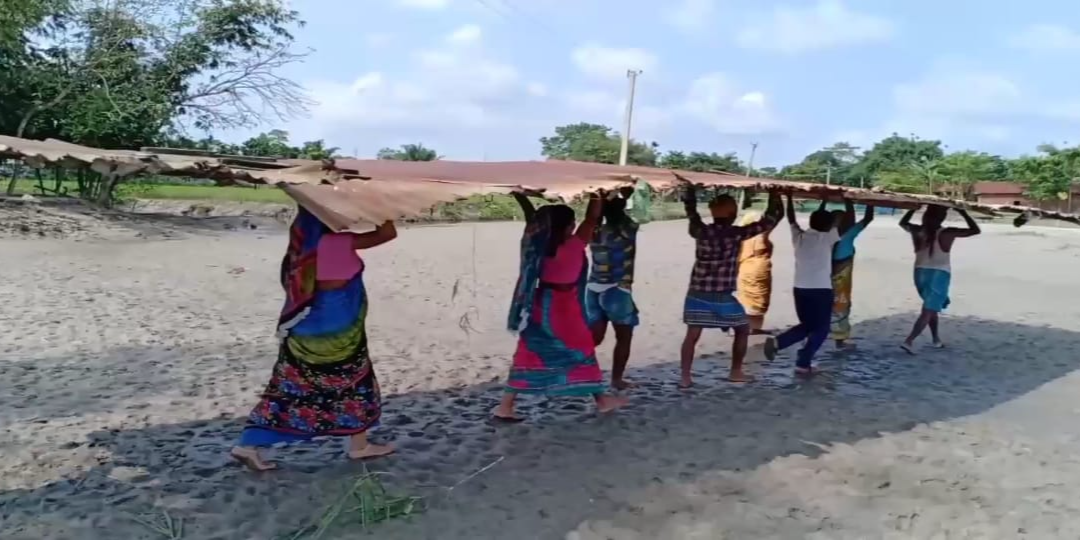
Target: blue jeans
{"x": 814, "y": 309}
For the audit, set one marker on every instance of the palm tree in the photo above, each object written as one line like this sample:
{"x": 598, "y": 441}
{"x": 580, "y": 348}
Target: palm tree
{"x": 409, "y": 152}
{"x": 927, "y": 172}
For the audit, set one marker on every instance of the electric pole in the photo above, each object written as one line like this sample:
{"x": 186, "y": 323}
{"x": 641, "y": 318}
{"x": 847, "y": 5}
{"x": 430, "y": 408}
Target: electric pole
{"x": 832, "y": 152}
{"x": 750, "y": 164}
{"x": 631, "y": 75}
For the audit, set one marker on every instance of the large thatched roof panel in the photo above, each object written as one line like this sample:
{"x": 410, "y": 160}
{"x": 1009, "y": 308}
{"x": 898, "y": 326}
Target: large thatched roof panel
{"x": 350, "y": 193}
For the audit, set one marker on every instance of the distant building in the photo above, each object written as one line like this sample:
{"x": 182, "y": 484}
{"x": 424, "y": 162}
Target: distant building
{"x": 1012, "y": 193}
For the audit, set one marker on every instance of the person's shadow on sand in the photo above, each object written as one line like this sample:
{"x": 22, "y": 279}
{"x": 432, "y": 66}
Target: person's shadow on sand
{"x": 562, "y": 466}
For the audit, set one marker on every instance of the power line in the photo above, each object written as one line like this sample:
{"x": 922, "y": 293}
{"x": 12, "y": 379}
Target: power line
{"x": 503, "y": 9}
{"x": 530, "y": 17}
{"x": 493, "y": 9}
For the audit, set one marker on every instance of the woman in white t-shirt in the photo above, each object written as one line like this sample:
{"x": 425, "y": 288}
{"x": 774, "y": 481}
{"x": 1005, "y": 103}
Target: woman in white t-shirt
{"x": 813, "y": 287}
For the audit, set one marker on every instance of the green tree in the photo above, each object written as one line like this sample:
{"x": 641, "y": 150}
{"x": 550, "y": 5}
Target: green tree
{"x": 595, "y": 143}
{"x": 919, "y": 176}
{"x": 409, "y": 152}
{"x": 1048, "y": 176}
{"x": 833, "y": 164}
{"x": 894, "y": 154}
{"x": 702, "y": 162}
{"x": 274, "y": 143}
{"x": 121, "y": 73}
{"x": 964, "y": 169}
{"x": 902, "y": 181}
{"x": 318, "y": 150}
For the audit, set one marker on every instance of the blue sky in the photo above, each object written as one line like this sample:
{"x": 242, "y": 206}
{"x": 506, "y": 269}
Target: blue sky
{"x": 484, "y": 79}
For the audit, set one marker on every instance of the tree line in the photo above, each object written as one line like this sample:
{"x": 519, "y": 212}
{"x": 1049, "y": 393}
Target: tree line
{"x": 897, "y": 163}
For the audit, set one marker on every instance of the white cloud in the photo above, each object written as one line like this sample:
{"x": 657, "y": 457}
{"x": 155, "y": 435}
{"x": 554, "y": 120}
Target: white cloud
{"x": 712, "y": 101}
{"x": 424, "y": 4}
{"x": 536, "y": 89}
{"x": 827, "y": 24}
{"x": 607, "y": 105}
{"x": 1046, "y": 38}
{"x": 378, "y": 40}
{"x": 968, "y": 93}
{"x": 470, "y": 33}
{"x": 953, "y": 101}
{"x": 690, "y": 16}
{"x": 716, "y": 101}
{"x": 441, "y": 93}
{"x": 607, "y": 63}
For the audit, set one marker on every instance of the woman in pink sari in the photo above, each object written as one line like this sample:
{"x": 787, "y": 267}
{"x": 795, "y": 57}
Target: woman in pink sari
{"x": 555, "y": 353}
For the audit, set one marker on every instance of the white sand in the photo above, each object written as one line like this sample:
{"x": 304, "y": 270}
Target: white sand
{"x": 129, "y": 364}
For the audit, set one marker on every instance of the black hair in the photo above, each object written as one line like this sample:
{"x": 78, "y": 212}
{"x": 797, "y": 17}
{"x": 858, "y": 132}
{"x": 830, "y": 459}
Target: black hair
{"x": 931, "y": 227}
{"x": 560, "y": 217}
{"x": 614, "y": 209}
{"x": 722, "y": 198}
{"x": 821, "y": 220}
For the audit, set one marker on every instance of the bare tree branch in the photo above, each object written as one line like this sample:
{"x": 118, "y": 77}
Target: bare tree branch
{"x": 250, "y": 93}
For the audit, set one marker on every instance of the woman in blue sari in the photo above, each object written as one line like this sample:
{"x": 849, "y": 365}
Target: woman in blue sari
{"x": 323, "y": 383}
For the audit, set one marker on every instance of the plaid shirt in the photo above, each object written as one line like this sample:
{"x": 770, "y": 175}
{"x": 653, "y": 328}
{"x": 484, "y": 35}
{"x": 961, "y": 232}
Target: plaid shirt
{"x": 613, "y": 248}
{"x": 716, "y": 260}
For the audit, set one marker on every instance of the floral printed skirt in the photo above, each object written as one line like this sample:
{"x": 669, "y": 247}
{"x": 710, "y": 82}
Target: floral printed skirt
{"x": 323, "y": 382}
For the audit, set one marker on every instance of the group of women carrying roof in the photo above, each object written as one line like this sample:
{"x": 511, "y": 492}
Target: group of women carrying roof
{"x": 323, "y": 384}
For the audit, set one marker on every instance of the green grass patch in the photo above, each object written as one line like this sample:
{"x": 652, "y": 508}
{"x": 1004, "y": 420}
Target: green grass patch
{"x": 266, "y": 194}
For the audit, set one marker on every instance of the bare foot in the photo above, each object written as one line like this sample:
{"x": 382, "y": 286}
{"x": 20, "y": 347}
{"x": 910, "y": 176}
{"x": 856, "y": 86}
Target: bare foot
{"x": 686, "y": 382}
{"x": 371, "y": 450}
{"x": 504, "y": 416}
{"x": 623, "y": 384}
{"x": 249, "y": 457}
{"x": 740, "y": 377}
{"x": 606, "y": 403}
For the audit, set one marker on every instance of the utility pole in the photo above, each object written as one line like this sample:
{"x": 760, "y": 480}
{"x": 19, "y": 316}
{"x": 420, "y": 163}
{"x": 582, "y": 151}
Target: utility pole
{"x": 828, "y": 168}
{"x": 632, "y": 75}
{"x": 745, "y": 199}
{"x": 750, "y": 164}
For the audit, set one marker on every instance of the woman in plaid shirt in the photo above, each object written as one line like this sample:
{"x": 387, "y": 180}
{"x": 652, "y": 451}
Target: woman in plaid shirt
{"x": 710, "y": 299}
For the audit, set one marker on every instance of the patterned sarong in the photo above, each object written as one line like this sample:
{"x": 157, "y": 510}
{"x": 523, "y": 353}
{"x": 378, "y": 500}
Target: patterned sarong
{"x": 713, "y": 310}
{"x": 842, "y": 273}
{"x": 322, "y": 382}
{"x": 555, "y": 353}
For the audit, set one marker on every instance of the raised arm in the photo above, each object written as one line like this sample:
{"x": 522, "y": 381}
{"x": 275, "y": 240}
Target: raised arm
{"x": 972, "y": 227}
{"x": 791, "y": 211}
{"x": 905, "y": 222}
{"x": 868, "y": 216}
{"x": 592, "y": 217}
{"x": 768, "y": 221}
{"x": 690, "y": 205}
{"x": 381, "y": 235}
{"x": 526, "y": 206}
{"x": 849, "y": 210}
{"x": 775, "y": 210}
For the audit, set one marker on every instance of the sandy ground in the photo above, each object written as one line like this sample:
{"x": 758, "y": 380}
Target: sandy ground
{"x": 129, "y": 362}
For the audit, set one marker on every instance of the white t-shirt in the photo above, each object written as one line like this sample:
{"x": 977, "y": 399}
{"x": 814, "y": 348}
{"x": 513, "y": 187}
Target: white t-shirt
{"x": 813, "y": 257}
